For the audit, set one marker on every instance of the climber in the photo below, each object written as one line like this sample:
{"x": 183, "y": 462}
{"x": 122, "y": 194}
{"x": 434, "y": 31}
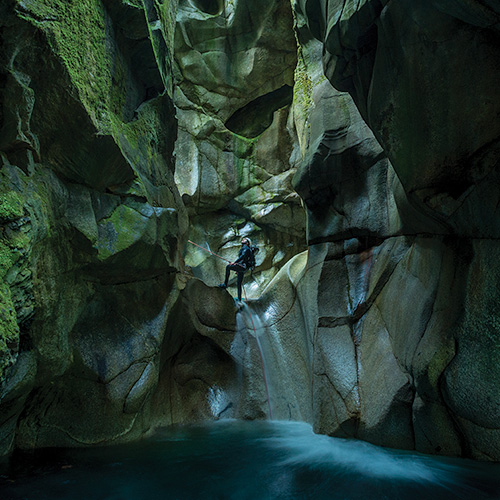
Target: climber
{"x": 245, "y": 260}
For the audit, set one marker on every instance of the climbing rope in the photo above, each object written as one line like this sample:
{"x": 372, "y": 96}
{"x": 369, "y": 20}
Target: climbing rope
{"x": 209, "y": 251}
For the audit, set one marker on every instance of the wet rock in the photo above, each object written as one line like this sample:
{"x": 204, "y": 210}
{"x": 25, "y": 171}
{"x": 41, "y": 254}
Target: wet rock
{"x": 198, "y": 377}
{"x": 384, "y": 329}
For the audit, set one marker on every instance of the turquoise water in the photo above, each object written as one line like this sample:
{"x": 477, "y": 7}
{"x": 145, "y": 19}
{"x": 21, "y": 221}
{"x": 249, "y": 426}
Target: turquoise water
{"x": 244, "y": 460}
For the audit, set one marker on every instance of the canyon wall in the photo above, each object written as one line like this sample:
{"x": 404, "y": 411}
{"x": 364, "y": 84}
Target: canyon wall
{"x": 356, "y": 143}
{"x": 408, "y": 226}
{"x": 121, "y": 137}
{"x": 92, "y": 224}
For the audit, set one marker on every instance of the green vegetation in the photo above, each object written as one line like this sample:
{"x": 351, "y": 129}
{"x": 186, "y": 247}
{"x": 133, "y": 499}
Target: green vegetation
{"x": 9, "y": 330}
{"x": 13, "y": 246}
{"x": 162, "y": 39}
{"x": 76, "y": 30}
{"x": 303, "y": 88}
{"x": 13, "y": 243}
{"x": 167, "y": 10}
{"x": 11, "y": 206}
{"x": 122, "y": 229}
{"x": 11, "y": 250}
{"x": 141, "y": 135}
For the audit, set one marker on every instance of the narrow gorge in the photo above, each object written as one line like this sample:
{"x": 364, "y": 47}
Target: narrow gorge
{"x": 356, "y": 143}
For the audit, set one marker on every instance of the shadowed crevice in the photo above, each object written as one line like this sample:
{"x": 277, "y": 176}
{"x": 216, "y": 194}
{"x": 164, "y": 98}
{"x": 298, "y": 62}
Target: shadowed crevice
{"x": 251, "y": 120}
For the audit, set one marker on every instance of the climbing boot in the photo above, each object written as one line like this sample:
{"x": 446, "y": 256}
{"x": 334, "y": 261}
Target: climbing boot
{"x": 222, "y": 285}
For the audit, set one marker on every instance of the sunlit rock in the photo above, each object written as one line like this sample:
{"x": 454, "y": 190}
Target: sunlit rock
{"x": 233, "y": 155}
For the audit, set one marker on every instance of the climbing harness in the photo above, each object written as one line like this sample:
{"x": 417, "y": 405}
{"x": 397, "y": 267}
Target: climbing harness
{"x": 226, "y": 260}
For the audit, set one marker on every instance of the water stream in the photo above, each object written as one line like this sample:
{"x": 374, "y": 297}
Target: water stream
{"x": 249, "y": 321}
{"x": 245, "y": 460}
{"x": 239, "y": 460}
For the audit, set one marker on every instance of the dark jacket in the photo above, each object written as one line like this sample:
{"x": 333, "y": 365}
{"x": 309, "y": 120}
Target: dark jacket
{"x": 244, "y": 255}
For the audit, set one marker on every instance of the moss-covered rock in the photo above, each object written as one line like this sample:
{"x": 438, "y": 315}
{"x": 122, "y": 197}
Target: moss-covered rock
{"x": 11, "y": 206}
{"x": 88, "y": 202}
{"x": 122, "y": 229}
{"x": 385, "y": 329}
{"x": 15, "y": 243}
{"x": 9, "y": 330}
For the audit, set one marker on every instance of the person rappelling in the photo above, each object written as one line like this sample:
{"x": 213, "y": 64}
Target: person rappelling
{"x": 245, "y": 261}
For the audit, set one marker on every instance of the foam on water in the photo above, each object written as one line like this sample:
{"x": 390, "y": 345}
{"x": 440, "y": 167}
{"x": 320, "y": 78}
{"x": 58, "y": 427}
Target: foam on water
{"x": 303, "y": 447}
{"x": 238, "y": 460}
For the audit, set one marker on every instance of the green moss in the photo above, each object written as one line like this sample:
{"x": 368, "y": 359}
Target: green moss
{"x": 439, "y": 362}
{"x": 8, "y": 257}
{"x": 9, "y": 329}
{"x": 11, "y": 205}
{"x": 13, "y": 243}
{"x": 40, "y": 194}
{"x": 303, "y": 88}
{"x": 162, "y": 39}
{"x": 122, "y": 229}
{"x": 168, "y": 11}
{"x": 140, "y": 134}
{"x": 11, "y": 250}
{"x": 76, "y": 30}
{"x": 138, "y": 140}
{"x": 80, "y": 33}
{"x": 118, "y": 90}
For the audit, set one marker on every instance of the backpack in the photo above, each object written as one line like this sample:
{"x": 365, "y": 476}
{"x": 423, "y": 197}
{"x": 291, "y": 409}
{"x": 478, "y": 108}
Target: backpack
{"x": 254, "y": 250}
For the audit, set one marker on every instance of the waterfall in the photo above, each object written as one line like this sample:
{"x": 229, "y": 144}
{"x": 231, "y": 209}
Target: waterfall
{"x": 249, "y": 321}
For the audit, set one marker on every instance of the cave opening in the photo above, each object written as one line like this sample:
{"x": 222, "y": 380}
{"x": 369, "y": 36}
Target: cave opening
{"x": 251, "y": 120}
{"x": 212, "y": 7}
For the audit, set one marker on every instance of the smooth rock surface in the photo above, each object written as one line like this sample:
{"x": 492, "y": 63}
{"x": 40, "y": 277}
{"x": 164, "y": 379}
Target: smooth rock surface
{"x": 356, "y": 143}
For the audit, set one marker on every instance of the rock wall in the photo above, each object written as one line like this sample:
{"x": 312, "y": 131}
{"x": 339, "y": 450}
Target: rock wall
{"x": 92, "y": 224}
{"x": 406, "y": 348}
{"x": 114, "y": 152}
{"x": 355, "y": 142}
{"x": 235, "y": 157}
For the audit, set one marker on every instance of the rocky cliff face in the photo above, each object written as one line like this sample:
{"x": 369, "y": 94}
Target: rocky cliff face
{"x": 100, "y": 336}
{"x": 92, "y": 225}
{"x": 128, "y": 127}
{"x": 408, "y": 279}
{"x": 235, "y": 156}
